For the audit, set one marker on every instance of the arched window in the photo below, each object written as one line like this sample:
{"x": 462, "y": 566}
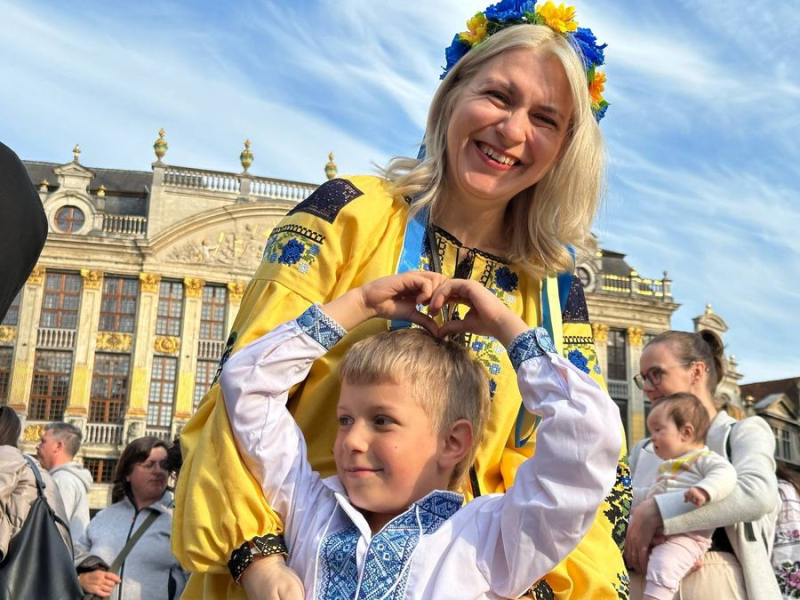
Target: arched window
{"x": 69, "y": 219}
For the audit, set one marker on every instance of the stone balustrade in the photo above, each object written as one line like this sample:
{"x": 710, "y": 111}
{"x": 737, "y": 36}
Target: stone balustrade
{"x": 52, "y": 338}
{"x": 125, "y": 225}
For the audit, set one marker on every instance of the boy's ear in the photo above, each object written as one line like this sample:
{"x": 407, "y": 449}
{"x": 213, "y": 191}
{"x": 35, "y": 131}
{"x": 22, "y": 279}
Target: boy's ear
{"x": 456, "y": 443}
{"x": 687, "y": 431}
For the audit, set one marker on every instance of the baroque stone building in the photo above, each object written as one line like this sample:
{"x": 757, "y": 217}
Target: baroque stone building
{"x": 120, "y": 326}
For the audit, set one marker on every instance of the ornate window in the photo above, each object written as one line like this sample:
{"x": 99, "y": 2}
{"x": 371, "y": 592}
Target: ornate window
{"x": 62, "y": 295}
{"x": 6, "y": 356}
{"x": 204, "y": 375}
{"x": 170, "y": 308}
{"x": 109, "y": 388}
{"x": 617, "y": 355}
{"x": 102, "y": 469}
{"x": 69, "y": 219}
{"x": 50, "y": 389}
{"x": 162, "y": 392}
{"x": 212, "y": 317}
{"x": 12, "y": 315}
{"x": 118, "y": 307}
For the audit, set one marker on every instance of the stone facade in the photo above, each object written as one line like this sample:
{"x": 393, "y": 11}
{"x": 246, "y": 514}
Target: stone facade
{"x": 120, "y": 326}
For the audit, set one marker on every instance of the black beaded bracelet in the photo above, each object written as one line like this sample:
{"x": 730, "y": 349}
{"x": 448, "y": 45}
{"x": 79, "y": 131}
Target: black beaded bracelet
{"x": 264, "y": 545}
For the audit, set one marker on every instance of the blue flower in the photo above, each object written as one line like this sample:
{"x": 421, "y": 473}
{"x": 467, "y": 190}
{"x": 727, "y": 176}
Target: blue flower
{"x": 601, "y": 112}
{"x": 592, "y": 52}
{"x": 314, "y": 250}
{"x": 577, "y": 358}
{"x": 597, "y": 369}
{"x": 626, "y": 481}
{"x": 506, "y": 280}
{"x": 510, "y": 10}
{"x": 494, "y": 369}
{"x": 453, "y": 54}
{"x": 292, "y": 252}
{"x": 492, "y": 388}
{"x": 477, "y": 346}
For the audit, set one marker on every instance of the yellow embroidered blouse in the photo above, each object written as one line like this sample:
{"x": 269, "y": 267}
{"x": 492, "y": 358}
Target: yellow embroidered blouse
{"x": 349, "y": 232}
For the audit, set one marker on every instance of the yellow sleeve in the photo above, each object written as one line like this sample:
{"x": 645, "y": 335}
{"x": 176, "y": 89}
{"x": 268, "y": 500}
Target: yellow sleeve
{"x": 308, "y": 258}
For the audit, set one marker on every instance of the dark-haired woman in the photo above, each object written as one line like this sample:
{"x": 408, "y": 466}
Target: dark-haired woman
{"x": 786, "y": 552}
{"x": 18, "y": 483}
{"x": 738, "y": 564}
{"x": 150, "y": 571}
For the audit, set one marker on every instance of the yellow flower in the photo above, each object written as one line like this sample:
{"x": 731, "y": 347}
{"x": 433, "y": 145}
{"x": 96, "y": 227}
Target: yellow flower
{"x": 597, "y": 87}
{"x": 477, "y": 30}
{"x": 560, "y": 18}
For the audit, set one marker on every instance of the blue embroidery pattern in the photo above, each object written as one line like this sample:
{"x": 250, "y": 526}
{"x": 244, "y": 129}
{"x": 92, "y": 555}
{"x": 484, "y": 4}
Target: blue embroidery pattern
{"x": 292, "y": 249}
{"x": 328, "y": 199}
{"x": 577, "y": 358}
{"x": 388, "y": 557}
{"x": 324, "y": 330}
{"x": 338, "y": 569}
{"x": 506, "y": 280}
{"x": 529, "y": 344}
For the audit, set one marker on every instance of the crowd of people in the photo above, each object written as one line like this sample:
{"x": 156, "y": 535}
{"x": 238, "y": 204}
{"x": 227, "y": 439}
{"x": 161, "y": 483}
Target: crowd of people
{"x": 420, "y": 413}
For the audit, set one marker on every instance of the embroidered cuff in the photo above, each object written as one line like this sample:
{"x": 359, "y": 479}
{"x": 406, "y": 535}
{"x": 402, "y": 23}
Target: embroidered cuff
{"x": 265, "y": 545}
{"x": 325, "y": 331}
{"x": 529, "y": 344}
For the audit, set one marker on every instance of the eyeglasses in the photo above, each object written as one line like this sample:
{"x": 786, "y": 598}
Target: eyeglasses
{"x": 655, "y": 374}
{"x": 151, "y": 465}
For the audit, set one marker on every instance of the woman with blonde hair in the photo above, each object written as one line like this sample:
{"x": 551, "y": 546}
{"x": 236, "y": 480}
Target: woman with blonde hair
{"x": 504, "y": 194}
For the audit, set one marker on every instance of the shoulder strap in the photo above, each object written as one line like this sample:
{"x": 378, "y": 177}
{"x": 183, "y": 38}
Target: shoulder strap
{"x": 115, "y": 566}
{"x": 40, "y": 485}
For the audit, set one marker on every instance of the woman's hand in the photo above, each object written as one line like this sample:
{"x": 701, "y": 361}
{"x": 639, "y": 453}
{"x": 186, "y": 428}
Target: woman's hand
{"x": 392, "y": 297}
{"x": 487, "y": 314}
{"x": 268, "y": 578}
{"x": 98, "y": 582}
{"x": 643, "y": 525}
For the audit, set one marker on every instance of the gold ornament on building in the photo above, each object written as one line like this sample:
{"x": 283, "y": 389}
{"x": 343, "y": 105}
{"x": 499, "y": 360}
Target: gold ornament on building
{"x": 101, "y": 191}
{"x": 32, "y": 433}
{"x": 92, "y": 280}
{"x": 635, "y": 336}
{"x": 160, "y": 146}
{"x": 330, "y": 168}
{"x": 194, "y": 287}
{"x": 7, "y": 334}
{"x": 165, "y": 344}
{"x": 246, "y": 157}
{"x": 150, "y": 282}
{"x": 600, "y": 332}
{"x": 37, "y": 275}
{"x": 43, "y": 187}
{"x": 114, "y": 341}
{"x": 76, "y": 152}
{"x": 235, "y": 291}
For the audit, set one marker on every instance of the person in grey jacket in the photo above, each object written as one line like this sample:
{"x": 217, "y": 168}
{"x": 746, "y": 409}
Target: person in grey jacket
{"x": 738, "y": 564}
{"x": 57, "y": 448}
{"x": 150, "y": 571}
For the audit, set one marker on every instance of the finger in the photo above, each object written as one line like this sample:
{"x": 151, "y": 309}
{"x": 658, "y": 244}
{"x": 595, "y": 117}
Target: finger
{"x": 425, "y": 322}
{"x": 454, "y": 327}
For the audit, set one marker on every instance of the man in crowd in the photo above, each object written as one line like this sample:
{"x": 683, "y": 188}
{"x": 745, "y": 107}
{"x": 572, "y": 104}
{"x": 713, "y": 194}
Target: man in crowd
{"x": 57, "y": 448}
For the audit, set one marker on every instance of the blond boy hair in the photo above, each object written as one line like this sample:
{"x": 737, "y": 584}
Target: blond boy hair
{"x": 443, "y": 378}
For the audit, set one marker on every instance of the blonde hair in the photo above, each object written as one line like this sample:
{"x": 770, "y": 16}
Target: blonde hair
{"x": 555, "y": 212}
{"x": 444, "y": 379}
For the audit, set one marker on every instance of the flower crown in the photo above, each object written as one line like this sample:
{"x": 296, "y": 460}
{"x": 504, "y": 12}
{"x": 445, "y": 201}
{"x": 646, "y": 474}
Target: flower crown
{"x": 560, "y": 19}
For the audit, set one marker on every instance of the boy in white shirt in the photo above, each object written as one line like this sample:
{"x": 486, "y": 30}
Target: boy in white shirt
{"x": 678, "y": 425}
{"x": 411, "y": 412}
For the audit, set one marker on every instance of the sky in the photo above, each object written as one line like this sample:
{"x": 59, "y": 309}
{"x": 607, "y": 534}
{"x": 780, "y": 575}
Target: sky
{"x": 703, "y": 132}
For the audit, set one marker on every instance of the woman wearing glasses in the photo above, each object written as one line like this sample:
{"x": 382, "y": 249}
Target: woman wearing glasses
{"x": 738, "y": 564}
{"x": 149, "y": 571}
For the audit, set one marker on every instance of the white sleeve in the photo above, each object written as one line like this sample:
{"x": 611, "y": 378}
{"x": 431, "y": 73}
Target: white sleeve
{"x": 557, "y": 492}
{"x": 255, "y": 383}
{"x": 719, "y": 477}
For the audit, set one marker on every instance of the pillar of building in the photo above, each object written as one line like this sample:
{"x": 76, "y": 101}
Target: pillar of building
{"x": 144, "y": 339}
{"x": 80, "y": 389}
{"x": 636, "y": 423}
{"x": 235, "y": 293}
{"x": 187, "y": 363}
{"x": 30, "y": 310}
{"x": 600, "y": 334}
